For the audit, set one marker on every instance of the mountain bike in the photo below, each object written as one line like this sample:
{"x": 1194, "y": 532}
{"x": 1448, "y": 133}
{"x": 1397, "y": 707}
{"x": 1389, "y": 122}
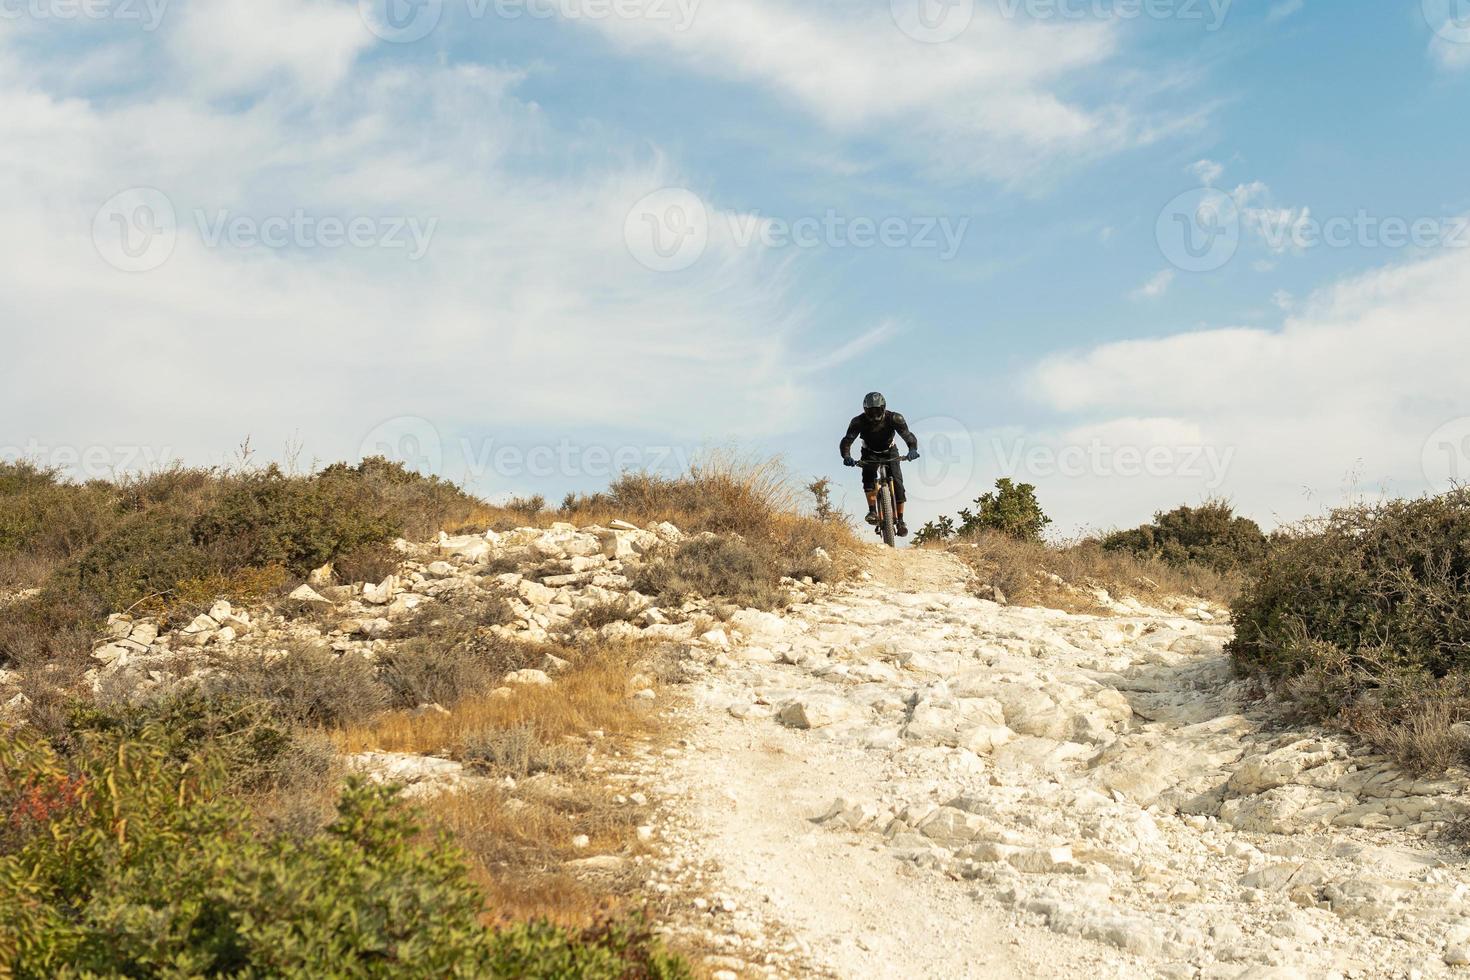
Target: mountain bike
{"x": 887, "y": 515}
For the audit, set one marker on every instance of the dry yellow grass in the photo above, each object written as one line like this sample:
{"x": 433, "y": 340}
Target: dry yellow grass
{"x": 592, "y": 695}
{"x": 519, "y": 848}
{"x": 1022, "y": 570}
{"x": 519, "y": 840}
{"x": 723, "y": 493}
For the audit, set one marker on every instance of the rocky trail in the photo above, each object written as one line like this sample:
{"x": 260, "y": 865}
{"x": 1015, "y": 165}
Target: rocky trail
{"x": 913, "y": 782}
{"x": 895, "y": 778}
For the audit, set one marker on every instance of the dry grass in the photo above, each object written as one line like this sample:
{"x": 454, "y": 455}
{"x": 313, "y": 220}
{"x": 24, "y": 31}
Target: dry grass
{"x": 519, "y": 846}
{"x": 1023, "y": 570}
{"x": 723, "y": 493}
{"x": 520, "y": 840}
{"x": 1421, "y": 736}
{"x": 590, "y": 695}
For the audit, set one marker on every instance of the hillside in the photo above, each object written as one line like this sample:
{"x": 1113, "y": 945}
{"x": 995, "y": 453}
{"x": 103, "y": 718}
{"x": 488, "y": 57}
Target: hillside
{"x": 887, "y": 777}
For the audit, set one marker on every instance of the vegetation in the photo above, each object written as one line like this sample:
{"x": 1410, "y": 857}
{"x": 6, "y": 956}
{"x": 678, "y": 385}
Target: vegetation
{"x": 1064, "y": 576}
{"x": 285, "y": 872}
{"x": 727, "y": 496}
{"x": 1210, "y": 534}
{"x": 727, "y": 568}
{"x": 1365, "y": 616}
{"x": 1011, "y": 509}
{"x": 123, "y": 861}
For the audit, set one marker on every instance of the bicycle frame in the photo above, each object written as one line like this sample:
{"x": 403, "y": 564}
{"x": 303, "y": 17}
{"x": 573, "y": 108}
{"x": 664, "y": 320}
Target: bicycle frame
{"x": 887, "y": 512}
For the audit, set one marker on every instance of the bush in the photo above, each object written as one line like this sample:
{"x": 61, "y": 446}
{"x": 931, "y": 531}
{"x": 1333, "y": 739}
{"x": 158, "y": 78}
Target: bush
{"x": 724, "y": 567}
{"x": 615, "y": 951}
{"x": 160, "y": 541}
{"x": 623, "y": 609}
{"x": 1209, "y": 534}
{"x": 256, "y": 747}
{"x": 307, "y": 685}
{"x": 423, "y": 671}
{"x": 1367, "y": 614}
{"x": 129, "y": 863}
{"x": 1011, "y": 509}
{"x": 521, "y": 752}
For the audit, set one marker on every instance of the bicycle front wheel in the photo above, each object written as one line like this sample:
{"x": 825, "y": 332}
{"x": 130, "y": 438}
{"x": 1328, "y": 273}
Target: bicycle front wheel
{"x": 885, "y": 516}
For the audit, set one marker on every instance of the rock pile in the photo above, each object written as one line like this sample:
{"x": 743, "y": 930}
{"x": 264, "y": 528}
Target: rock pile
{"x": 1110, "y": 777}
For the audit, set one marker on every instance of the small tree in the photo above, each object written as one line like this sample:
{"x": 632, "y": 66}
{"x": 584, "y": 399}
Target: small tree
{"x": 937, "y": 530}
{"x": 1011, "y": 509}
{"x": 821, "y": 491}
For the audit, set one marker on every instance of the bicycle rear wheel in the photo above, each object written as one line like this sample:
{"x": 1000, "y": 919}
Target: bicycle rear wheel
{"x": 885, "y": 516}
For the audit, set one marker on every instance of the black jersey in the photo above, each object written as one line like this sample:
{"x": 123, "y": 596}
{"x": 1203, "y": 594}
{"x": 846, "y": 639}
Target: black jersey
{"x": 877, "y": 434}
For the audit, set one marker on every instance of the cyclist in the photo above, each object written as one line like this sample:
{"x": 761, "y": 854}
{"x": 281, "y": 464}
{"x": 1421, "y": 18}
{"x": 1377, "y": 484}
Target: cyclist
{"x": 877, "y": 426}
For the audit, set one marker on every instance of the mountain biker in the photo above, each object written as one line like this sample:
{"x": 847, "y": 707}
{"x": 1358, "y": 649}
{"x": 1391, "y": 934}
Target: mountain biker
{"x": 877, "y": 426}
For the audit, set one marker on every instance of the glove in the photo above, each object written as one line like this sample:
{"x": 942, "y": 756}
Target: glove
{"x": 913, "y": 455}
{"x": 849, "y": 461}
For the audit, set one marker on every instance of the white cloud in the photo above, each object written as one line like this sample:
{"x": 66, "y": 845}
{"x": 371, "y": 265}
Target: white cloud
{"x": 856, "y": 347}
{"x": 231, "y": 46}
{"x": 988, "y": 102}
{"x": 1355, "y": 382}
{"x": 1285, "y": 9}
{"x": 528, "y": 314}
{"x": 1207, "y": 171}
{"x": 1451, "y": 53}
{"x": 1155, "y": 287}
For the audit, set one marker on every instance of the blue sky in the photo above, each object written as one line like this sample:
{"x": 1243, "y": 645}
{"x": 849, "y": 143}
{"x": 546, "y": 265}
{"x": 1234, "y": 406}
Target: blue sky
{"x": 179, "y": 274}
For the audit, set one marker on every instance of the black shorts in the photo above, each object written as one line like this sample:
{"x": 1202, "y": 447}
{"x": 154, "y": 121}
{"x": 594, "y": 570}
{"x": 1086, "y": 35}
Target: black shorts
{"x": 870, "y": 480}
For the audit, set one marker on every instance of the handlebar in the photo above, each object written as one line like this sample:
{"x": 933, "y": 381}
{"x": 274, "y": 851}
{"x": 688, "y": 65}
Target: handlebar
{"x": 891, "y": 457}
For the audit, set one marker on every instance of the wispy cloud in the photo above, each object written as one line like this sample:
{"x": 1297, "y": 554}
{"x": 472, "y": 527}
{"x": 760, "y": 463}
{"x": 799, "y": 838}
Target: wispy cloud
{"x": 856, "y": 347}
{"x": 1155, "y": 287}
{"x": 1285, "y": 9}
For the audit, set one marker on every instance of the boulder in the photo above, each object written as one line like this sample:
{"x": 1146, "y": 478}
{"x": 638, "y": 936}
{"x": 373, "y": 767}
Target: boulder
{"x": 815, "y": 710}
{"x": 382, "y": 593}
{"x": 1285, "y": 810}
{"x": 307, "y": 594}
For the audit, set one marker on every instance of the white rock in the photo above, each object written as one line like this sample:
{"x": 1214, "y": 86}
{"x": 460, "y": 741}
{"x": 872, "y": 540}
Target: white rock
{"x": 815, "y": 710}
{"x": 306, "y": 593}
{"x": 382, "y": 593}
{"x": 530, "y": 675}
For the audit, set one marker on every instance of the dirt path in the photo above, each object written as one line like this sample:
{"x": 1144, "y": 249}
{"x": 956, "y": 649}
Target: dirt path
{"x": 1023, "y": 792}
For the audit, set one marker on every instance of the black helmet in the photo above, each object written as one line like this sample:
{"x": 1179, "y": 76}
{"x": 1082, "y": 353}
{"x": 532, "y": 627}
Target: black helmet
{"x": 874, "y": 405}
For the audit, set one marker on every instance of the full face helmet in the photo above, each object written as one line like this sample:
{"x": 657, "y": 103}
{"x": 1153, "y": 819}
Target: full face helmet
{"x": 874, "y": 405}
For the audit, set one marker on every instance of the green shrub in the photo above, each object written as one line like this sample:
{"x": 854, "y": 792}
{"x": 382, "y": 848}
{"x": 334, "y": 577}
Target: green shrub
{"x": 724, "y": 567}
{"x": 1209, "y": 534}
{"x": 128, "y": 859}
{"x": 1390, "y": 581}
{"x": 614, "y": 951}
{"x": 307, "y": 685}
{"x": 268, "y": 518}
{"x": 256, "y": 747}
{"x": 131, "y": 864}
{"x": 1011, "y": 509}
{"x": 1366, "y": 614}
